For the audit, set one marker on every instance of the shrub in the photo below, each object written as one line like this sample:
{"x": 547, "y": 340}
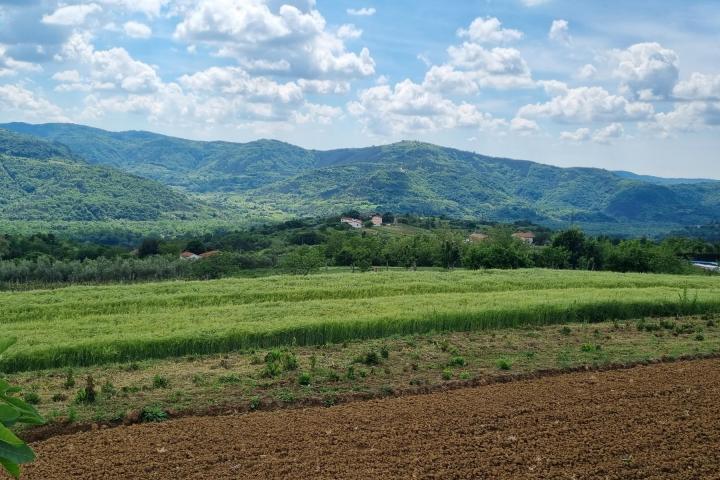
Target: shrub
{"x": 384, "y": 352}
{"x": 255, "y": 403}
{"x": 160, "y": 381}
{"x": 447, "y": 374}
{"x": 69, "y": 380}
{"x": 371, "y": 358}
{"x": 32, "y": 398}
{"x": 229, "y": 379}
{"x": 153, "y": 413}
{"x": 59, "y": 397}
{"x": 86, "y": 395}
{"x": 457, "y": 362}
{"x": 108, "y": 390}
{"x": 504, "y": 364}
{"x": 304, "y": 379}
{"x": 699, "y": 337}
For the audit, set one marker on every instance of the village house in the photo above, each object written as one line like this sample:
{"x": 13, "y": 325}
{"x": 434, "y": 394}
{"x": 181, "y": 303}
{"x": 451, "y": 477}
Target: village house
{"x": 189, "y": 256}
{"x": 377, "y": 220}
{"x": 527, "y": 237}
{"x": 477, "y": 237}
{"x": 353, "y": 222}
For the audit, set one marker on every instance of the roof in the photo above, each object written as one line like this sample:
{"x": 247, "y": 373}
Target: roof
{"x": 209, "y": 254}
{"x": 187, "y": 254}
{"x": 524, "y": 235}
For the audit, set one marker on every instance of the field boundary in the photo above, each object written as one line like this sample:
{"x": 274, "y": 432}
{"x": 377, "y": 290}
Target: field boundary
{"x": 45, "y": 432}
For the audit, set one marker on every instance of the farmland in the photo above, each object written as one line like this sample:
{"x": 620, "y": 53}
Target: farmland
{"x": 80, "y": 326}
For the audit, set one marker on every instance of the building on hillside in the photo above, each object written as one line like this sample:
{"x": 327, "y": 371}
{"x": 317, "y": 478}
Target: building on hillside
{"x": 189, "y": 256}
{"x": 376, "y": 220}
{"x": 527, "y": 237}
{"x": 477, "y": 237}
{"x": 209, "y": 254}
{"x": 353, "y": 222}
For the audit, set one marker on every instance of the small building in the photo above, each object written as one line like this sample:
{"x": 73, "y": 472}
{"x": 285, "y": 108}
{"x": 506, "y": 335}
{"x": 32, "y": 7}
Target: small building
{"x": 209, "y": 254}
{"x": 527, "y": 237}
{"x": 189, "y": 256}
{"x": 377, "y": 220}
{"x": 353, "y": 222}
{"x": 477, "y": 237}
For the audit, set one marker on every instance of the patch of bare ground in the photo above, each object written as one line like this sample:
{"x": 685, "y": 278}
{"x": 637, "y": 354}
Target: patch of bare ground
{"x": 654, "y": 421}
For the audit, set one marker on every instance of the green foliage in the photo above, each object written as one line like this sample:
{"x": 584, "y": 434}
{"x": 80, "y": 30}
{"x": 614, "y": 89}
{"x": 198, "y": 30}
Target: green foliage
{"x": 304, "y": 379}
{"x": 160, "y": 381}
{"x": 504, "y": 364}
{"x": 13, "y": 451}
{"x": 153, "y": 413}
{"x": 303, "y": 260}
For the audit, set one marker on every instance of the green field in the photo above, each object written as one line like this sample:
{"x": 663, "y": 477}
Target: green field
{"x": 95, "y": 325}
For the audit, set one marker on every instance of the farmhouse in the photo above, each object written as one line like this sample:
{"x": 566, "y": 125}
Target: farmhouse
{"x": 353, "y": 222}
{"x": 477, "y": 237}
{"x": 527, "y": 237}
{"x": 189, "y": 256}
{"x": 377, "y": 220}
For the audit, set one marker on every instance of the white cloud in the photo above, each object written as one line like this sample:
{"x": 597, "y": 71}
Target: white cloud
{"x": 238, "y": 83}
{"x": 361, "y": 12}
{"x": 607, "y": 134}
{"x": 151, "y": 8}
{"x": 108, "y": 69}
{"x": 699, "y": 87}
{"x": 10, "y": 67}
{"x": 687, "y": 117}
{"x": 647, "y": 70}
{"x": 579, "y": 135}
{"x": 409, "y": 107}
{"x": 67, "y": 76}
{"x": 137, "y": 30}
{"x": 534, "y": 3}
{"x": 523, "y": 126}
{"x": 250, "y": 30}
{"x": 560, "y": 32}
{"x": 488, "y": 30}
{"x": 349, "y": 31}
{"x": 71, "y": 15}
{"x": 586, "y": 72}
{"x": 586, "y": 105}
{"x": 25, "y": 105}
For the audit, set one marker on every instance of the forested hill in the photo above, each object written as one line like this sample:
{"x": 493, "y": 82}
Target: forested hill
{"x": 40, "y": 180}
{"x": 405, "y": 177}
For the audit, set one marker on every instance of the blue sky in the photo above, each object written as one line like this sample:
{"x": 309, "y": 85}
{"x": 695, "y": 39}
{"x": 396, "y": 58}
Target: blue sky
{"x": 629, "y": 85}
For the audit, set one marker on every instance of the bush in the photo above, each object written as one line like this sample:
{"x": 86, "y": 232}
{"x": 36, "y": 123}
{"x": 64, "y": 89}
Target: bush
{"x": 304, "y": 379}
{"x": 371, "y": 358}
{"x": 160, "y": 381}
{"x": 153, "y": 413}
{"x": 504, "y": 364}
{"x": 457, "y": 362}
{"x": 32, "y": 398}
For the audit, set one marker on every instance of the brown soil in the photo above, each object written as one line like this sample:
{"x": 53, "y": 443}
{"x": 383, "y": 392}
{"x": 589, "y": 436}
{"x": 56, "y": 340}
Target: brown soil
{"x": 657, "y": 421}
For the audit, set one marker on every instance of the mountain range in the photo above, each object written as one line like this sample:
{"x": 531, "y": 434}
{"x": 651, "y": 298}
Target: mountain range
{"x": 187, "y": 177}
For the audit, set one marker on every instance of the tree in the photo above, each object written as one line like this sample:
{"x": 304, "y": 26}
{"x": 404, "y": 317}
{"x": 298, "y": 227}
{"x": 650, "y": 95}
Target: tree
{"x": 304, "y": 260}
{"x": 195, "y": 246}
{"x": 573, "y": 241}
{"x": 13, "y": 451}
{"x": 149, "y": 246}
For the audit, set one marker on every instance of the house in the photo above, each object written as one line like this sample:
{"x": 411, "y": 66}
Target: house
{"x": 211, "y": 253}
{"x": 353, "y": 222}
{"x": 527, "y": 237}
{"x": 377, "y": 220}
{"x": 477, "y": 237}
{"x": 189, "y": 256}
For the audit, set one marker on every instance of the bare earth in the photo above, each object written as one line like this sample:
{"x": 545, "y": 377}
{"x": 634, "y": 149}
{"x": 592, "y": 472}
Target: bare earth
{"x": 658, "y": 421}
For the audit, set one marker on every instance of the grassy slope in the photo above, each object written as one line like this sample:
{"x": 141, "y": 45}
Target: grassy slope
{"x": 88, "y": 325}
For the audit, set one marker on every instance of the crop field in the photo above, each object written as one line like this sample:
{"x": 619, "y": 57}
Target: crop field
{"x": 81, "y": 326}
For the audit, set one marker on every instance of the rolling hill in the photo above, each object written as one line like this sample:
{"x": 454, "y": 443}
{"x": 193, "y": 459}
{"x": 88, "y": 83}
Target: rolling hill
{"x": 402, "y": 177}
{"x": 42, "y": 180}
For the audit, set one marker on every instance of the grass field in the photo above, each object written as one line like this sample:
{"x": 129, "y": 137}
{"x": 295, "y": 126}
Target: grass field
{"x": 79, "y": 326}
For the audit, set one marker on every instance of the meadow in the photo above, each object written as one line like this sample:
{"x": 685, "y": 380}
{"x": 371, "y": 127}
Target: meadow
{"x": 82, "y": 326}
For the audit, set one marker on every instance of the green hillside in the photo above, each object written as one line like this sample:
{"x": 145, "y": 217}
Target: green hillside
{"x": 405, "y": 177}
{"x": 45, "y": 181}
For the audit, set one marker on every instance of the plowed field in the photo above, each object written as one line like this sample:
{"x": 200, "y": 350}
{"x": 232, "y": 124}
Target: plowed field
{"x": 658, "y": 421}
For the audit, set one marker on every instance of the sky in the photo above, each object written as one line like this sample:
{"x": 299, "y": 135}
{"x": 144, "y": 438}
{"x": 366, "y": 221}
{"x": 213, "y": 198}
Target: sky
{"x": 631, "y": 85}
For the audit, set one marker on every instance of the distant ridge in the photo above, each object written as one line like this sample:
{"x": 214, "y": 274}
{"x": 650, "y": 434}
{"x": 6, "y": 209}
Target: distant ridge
{"x": 408, "y": 176}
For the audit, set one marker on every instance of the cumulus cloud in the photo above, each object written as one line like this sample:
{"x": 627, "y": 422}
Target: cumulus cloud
{"x": 523, "y": 126}
{"x": 586, "y": 72}
{"x": 236, "y": 82}
{"x": 607, "y": 134}
{"x": 647, "y": 70}
{"x": 361, "y": 12}
{"x": 698, "y": 87}
{"x": 107, "y": 69}
{"x": 349, "y": 31}
{"x": 409, "y": 107}
{"x": 71, "y": 15}
{"x": 489, "y": 30}
{"x": 137, "y": 30}
{"x": 687, "y": 117}
{"x": 10, "y": 67}
{"x": 151, "y": 8}
{"x": 579, "y": 135}
{"x": 560, "y": 32}
{"x": 586, "y": 105}
{"x": 251, "y": 30}
{"x": 26, "y": 105}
